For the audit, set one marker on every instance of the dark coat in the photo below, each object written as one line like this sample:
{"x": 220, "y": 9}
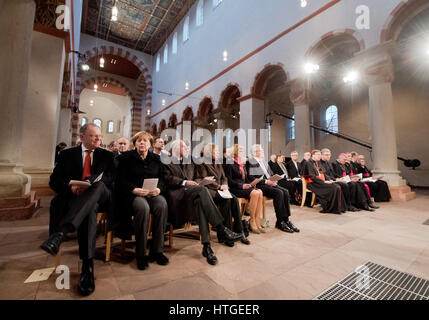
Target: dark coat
{"x": 291, "y": 169}
{"x": 131, "y": 172}
{"x": 70, "y": 167}
{"x": 254, "y": 171}
{"x": 339, "y": 169}
{"x": 180, "y": 209}
{"x": 208, "y": 170}
{"x": 329, "y": 170}
{"x": 275, "y": 168}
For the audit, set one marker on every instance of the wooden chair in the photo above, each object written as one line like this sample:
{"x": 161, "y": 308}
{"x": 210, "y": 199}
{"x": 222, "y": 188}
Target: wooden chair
{"x": 304, "y": 194}
{"x": 242, "y": 202}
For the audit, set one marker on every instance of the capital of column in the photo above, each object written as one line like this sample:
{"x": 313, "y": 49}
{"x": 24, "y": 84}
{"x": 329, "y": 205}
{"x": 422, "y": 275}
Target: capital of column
{"x": 299, "y": 92}
{"x": 376, "y": 64}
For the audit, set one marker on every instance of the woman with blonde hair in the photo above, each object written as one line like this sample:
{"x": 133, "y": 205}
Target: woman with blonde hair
{"x": 240, "y": 186}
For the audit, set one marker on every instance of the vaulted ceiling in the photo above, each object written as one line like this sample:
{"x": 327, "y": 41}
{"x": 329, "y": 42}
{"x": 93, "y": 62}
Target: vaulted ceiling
{"x": 143, "y": 25}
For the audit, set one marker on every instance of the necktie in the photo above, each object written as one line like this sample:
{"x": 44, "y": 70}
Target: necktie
{"x": 264, "y": 169}
{"x": 87, "y": 165}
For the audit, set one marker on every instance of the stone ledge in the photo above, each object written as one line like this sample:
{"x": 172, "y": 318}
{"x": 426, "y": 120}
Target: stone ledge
{"x": 402, "y": 193}
{"x": 42, "y": 190}
{"x": 19, "y": 208}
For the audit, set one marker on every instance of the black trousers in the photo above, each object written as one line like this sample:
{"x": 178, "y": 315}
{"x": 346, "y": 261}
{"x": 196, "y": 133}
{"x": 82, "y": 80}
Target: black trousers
{"x": 143, "y": 207}
{"x": 292, "y": 187}
{"x": 206, "y": 210}
{"x": 82, "y": 215}
{"x": 230, "y": 209}
{"x": 280, "y": 198}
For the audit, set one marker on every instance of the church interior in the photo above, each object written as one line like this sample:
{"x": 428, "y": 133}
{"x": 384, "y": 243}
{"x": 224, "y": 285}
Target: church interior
{"x": 350, "y": 76}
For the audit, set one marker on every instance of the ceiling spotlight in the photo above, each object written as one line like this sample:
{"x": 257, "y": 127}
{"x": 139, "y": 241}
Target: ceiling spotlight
{"x": 115, "y": 13}
{"x": 95, "y": 88}
{"x": 215, "y": 120}
{"x": 85, "y": 67}
{"x": 225, "y": 55}
{"x": 91, "y": 102}
{"x": 187, "y": 86}
{"x": 311, "y": 68}
{"x": 163, "y": 102}
{"x": 148, "y": 112}
{"x": 350, "y": 77}
{"x": 303, "y": 3}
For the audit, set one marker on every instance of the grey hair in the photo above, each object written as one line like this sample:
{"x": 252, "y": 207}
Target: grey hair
{"x": 85, "y": 127}
{"x": 254, "y": 147}
{"x": 325, "y": 150}
{"x": 175, "y": 147}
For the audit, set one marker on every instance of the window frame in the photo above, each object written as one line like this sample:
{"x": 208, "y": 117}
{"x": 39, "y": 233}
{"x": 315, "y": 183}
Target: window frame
{"x": 333, "y": 127}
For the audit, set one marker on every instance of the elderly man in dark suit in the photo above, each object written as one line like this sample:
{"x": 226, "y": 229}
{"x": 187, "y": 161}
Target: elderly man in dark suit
{"x": 77, "y": 206}
{"x": 188, "y": 201}
{"x": 257, "y": 167}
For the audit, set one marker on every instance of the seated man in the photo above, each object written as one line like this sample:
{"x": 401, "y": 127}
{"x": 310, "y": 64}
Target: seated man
{"x": 257, "y": 167}
{"x": 294, "y": 168}
{"x": 287, "y": 182}
{"x": 379, "y": 189}
{"x": 189, "y": 202}
{"x": 79, "y": 205}
{"x": 158, "y": 146}
{"x": 123, "y": 145}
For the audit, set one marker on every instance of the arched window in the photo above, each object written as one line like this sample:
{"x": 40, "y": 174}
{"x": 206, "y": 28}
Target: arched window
{"x": 291, "y": 133}
{"x": 174, "y": 46}
{"x": 158, "y": 62}
{"x": 83, "y": 121}
{"x": 110, "y": 126}
{"x": 200, "y": 13}
{"x": 216, "y": 3}
{"x": 331, "y": 118}
{"x": 166, "y": 54}
{"x": 186, "y": 29}
{"x": 97, "y": 122}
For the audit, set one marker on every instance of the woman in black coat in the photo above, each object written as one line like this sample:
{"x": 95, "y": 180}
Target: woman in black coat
{"x": 240, "y": 186}
{"x": 131, "y": 200}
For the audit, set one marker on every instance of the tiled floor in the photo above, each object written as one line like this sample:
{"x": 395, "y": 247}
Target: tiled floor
{"x": 275, "y": 266}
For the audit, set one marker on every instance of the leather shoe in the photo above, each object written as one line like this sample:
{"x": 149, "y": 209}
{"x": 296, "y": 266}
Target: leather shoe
{"x": 209, "y": 254}
{"x": 52, "y": 245}
{"x": 367, "y": 208}
{"x": 159, "y": 257}
{"x": 283, "y": 227}
{"x": 142, "y": 263}
{"x": 86, "y": 284}
{"x": 244, "y": 239}
{"x": 290, "y": 225}
{"x": 353, "y": 209}
{"x": 371, "y": 205}
{"x": 228, "y": 235}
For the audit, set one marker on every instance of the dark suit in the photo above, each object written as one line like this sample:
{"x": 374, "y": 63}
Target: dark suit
{"x": 292, "y": 171}
{"x": 81, "y": 211}
{"x": 292, "y": 186}
{"x": 236, "y": 181}
{"x": 279, "y": 194}
{"x": 131, "y": 173}
{"x": 229, "y": 208}
{"x": 189, "y": 204}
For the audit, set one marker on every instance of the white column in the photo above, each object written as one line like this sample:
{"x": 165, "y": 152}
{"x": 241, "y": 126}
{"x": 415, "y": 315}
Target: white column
{"x": 379, "y": 74}
{"x": 16, "y": 28}
{"x": 300, "y": 98}
{"x": 252, "y": 120}
{"x": 42, "y": 107}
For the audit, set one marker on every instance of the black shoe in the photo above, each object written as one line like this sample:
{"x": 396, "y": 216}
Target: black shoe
{"x": 247, "y": 213}
{"x": 221, "y": 240}
{"x": 142, "y": 263}
{"x": 283, "y": 227}
{"x": 86, "y": 284}
{"x": 367, "y": 208}
{"x": 228, "y": 235}
{"x": 290, "y": 225}
{"x": 229, "y": 243}
{"x": 52, "y": 245}
{"x": 159, "y": 257}
{"x": 353, "y": 209}
{"x": 371, "y": 205}
{"x": 244, "y": 239}
{"x": 209, "y": 254}
{"x": 246, "y": 227}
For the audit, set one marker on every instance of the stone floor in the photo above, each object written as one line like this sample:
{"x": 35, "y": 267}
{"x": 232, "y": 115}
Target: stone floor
{"x": 275, "y": 266}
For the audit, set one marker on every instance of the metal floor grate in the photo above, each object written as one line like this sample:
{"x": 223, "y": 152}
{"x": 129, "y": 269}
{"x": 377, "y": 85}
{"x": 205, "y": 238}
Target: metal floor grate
{"x": 375, "y": 282}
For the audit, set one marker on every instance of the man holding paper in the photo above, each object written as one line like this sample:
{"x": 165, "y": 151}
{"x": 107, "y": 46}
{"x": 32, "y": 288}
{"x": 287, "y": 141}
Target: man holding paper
{"x": 379, "y": 188}
{"x": 75, "y": 204}
{"x": 138, "y": 187}
{"x": 270, "y": 188}
{"x": 219, "y": 190}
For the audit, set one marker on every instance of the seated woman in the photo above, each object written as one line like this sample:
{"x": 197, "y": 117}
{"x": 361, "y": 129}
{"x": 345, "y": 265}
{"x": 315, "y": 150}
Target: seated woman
{"x": 229, "y": 208}
{"x": 131, "y": 200}
{"x": 328, "y": 193}
{"x": 240, "y": 186}
{"x": 379, "y": 189}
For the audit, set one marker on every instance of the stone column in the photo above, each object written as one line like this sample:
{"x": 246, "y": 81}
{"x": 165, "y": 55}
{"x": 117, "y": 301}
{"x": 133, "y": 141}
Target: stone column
{"x": 252, "y": 116}
{"x": 16, "y": 29}
{"x": 299, "y": 97}
{"x": 377, "y": 67}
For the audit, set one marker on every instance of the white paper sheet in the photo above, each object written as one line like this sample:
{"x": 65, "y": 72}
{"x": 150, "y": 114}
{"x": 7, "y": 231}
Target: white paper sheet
{"x": 150, "y": 184}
